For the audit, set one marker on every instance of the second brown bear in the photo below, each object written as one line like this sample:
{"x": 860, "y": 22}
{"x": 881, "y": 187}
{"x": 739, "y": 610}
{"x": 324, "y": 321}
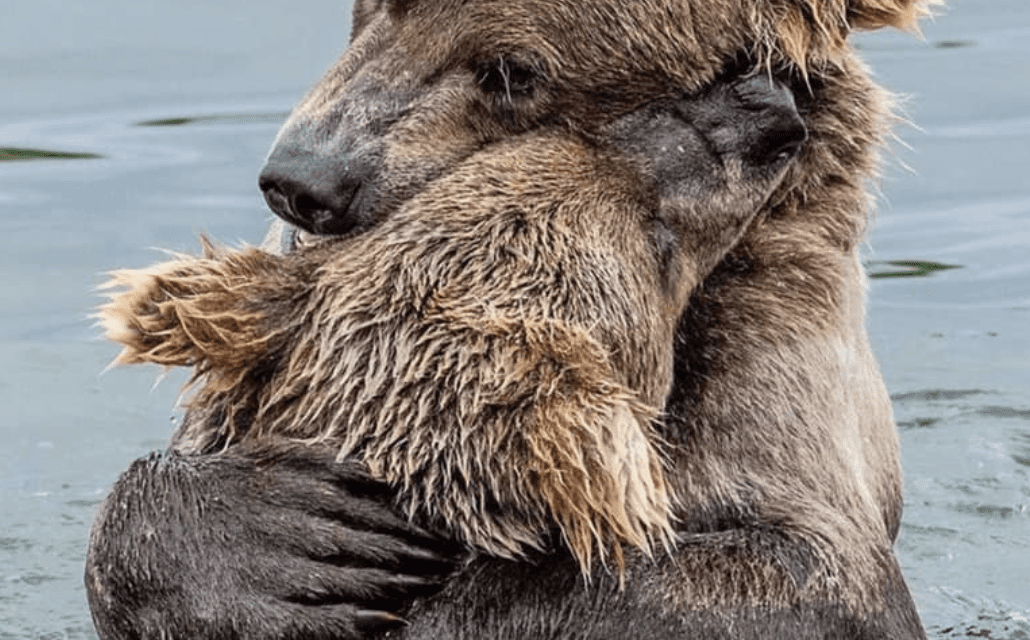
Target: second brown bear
{"x": 497, "y": 350}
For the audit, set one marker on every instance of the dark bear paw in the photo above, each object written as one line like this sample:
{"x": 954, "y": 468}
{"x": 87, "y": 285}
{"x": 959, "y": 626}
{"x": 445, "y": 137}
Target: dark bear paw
{"x": 272, "y": 542}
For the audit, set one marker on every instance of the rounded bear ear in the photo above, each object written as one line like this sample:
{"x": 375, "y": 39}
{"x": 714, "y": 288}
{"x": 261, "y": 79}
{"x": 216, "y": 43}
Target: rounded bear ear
{"x": 900, "y": 14}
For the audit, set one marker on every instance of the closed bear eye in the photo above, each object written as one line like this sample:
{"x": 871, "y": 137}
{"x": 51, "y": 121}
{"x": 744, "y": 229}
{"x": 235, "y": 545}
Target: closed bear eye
{"x": 506, "y": 79}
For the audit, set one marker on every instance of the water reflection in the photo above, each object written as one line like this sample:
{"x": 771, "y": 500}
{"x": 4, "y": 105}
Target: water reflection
{"x": 918, "y": 423}
{"x": 906, "y": 268}
{"x": 953, "y": 44}
{"x": 1004, "y": 412}
{"x": 17, "y": 153}
{"x": 996, "y": 625}
{"x": 244, "y": 118}
{"x": 1022, "y": 449}
{"x": 908, "y": 44}
{"x": 930, "y": 395}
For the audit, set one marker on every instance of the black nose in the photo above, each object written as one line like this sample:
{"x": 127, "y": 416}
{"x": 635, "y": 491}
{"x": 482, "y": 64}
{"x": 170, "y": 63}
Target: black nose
{"x": 316, "y": 193}
{"x": 780, "y": 141}
{"x": 777, "y": 131}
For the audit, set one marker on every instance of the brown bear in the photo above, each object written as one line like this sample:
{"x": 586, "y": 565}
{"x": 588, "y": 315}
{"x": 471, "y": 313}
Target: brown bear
{"x": 497, "y": 350}
{"x": 781, "y": 462}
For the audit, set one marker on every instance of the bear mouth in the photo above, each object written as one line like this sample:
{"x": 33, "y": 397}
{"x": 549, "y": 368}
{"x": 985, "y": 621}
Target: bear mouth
{"x": 284, "y": 238}
{"x": 291, "y": 238}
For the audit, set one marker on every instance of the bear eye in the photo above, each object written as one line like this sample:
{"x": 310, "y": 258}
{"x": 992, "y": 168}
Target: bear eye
{"x": 507, "y": 79}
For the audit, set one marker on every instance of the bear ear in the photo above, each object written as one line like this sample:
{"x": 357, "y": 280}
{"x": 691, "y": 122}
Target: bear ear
{"x": 900, "y": 14}
{"x": 808, "y": 31}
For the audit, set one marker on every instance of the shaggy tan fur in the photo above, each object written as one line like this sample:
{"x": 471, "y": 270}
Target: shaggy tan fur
{"x": 492, "y": 350}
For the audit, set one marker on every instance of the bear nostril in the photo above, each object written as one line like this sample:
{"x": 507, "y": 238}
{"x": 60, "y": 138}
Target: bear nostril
{"x": 786, "y": 142}
{"x": 308, "y": 208}
{"x": 298, "y": 205}
{"x": 277, "y": 201}
{"x": 782, "y": 143}
{"x": 766, "y": 128}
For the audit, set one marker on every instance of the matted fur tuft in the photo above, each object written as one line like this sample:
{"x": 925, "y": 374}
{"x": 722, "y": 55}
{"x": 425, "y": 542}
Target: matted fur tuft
{"x": 813, "y": 32}
{"x": 193, "y": 311}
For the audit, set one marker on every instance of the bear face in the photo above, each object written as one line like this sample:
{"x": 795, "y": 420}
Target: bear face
{"x": 500, "y": 347}
{"x": 425, "y": 84}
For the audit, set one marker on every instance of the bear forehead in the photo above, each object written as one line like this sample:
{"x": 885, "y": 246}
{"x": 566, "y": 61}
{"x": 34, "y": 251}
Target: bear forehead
{"x": 684, "y": 42}
{"x": 596, "y": 41}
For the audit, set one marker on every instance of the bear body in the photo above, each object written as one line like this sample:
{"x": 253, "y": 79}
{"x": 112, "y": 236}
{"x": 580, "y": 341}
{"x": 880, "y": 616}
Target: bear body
{"x": 741, "y": 460}
{"x": 497, "y": 351}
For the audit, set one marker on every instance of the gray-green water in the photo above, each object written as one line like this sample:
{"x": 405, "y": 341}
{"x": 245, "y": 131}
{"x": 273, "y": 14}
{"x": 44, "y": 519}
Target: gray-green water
{"x": 128, "y": 125}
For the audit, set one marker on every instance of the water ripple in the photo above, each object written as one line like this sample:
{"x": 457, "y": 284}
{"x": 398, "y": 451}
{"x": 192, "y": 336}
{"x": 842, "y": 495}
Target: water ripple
{"x": 1006, "y": 128}
{"x": 933, "y": 395}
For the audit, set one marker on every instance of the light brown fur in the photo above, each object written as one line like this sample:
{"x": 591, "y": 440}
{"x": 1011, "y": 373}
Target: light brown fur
{"x": 498, "y": 350}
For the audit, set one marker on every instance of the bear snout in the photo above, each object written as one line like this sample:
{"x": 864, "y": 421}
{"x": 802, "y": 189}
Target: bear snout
{"x": 320, "y": 195}
{"x": 754, "y": 120}
{"x": 779, "y": 132}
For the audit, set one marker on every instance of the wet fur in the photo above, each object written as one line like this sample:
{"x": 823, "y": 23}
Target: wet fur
{"x": 443, "y": 402}
{"x": 778, "y": 433}
{"x": 493, "y": 351}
